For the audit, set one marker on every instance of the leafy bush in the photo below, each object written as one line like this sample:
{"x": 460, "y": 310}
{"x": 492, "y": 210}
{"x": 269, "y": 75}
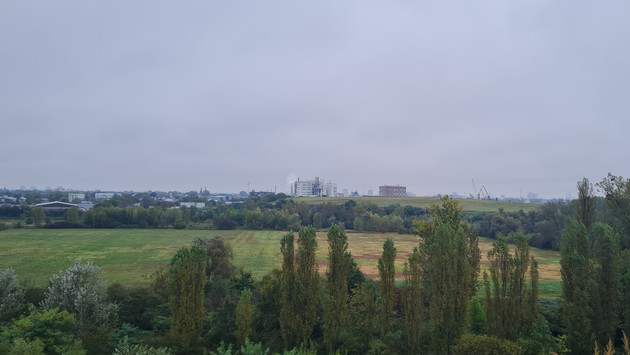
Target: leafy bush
{"x": 82, "y": 291}
{"x": 11, "y": 295}
{"x": 54, "y": 329}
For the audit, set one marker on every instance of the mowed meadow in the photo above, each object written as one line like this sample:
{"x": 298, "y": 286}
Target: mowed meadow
{"x": 130, "y": 256}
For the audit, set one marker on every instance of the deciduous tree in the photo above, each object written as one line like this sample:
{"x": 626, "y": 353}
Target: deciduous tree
{"x": 244, "y": 315}
{"x": 387, "y": 273}
{"x": 607, "y": 275}
{"x": 511, "y": 306}
{"x": 186, "y": 294}
{"x": 336, "y": 308}
{"x": 449, "y": 255}
{"x": 307, "y": 282}
{"x": 577, "y": 287}
{"x": 617, "y": 192}
{"x": 81, "y": 290}
{"x": 39, "y": 216}
{"x": 412, "y": 297}
{"x": 290, "y": 312}
{"x": 585, "y": 209}
{"x": 11, "y": 295}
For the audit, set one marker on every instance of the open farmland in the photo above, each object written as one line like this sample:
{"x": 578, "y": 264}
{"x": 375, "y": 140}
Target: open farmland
{"x": 129, "y": 255}
{"x": 468, "y": 205}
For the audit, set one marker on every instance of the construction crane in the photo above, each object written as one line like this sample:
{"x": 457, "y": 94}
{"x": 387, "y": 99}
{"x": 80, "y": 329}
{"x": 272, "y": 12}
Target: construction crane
{"x": 483, "y": 193}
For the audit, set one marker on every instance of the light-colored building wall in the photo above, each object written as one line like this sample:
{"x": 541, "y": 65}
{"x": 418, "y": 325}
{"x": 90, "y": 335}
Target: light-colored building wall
{"x": 331, "y": 189}
{"x": 76, "y": 196}
{"x": 104, "y": 195}
{"x": 303, "y": 188}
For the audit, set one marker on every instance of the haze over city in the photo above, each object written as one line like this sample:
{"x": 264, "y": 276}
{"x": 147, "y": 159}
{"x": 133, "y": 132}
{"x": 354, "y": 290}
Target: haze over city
{"x": 522, "y": 96}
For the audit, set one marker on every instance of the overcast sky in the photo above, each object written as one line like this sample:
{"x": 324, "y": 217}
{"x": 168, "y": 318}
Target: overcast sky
{"x": 176, "y": 95}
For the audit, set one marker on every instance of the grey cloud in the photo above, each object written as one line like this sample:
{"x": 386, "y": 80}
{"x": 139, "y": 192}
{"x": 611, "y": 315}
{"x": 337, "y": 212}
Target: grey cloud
{"x": 146, "y": 95}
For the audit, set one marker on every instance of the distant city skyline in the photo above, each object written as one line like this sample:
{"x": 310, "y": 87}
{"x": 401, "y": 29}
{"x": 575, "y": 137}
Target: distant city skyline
{"x": 347, "y": 191}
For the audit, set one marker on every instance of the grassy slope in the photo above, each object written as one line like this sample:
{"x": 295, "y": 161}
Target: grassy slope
{"x": 128, "y": 255}
{"x": 467, "y": 205}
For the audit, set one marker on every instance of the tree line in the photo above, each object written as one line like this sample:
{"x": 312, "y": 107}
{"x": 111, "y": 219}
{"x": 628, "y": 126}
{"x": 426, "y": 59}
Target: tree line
{"x": 542, "y": 226}
{"x": 202, "y": 303}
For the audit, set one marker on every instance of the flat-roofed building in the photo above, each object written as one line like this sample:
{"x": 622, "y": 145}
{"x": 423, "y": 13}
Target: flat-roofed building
{"x": 76, "y": 196}
{"x": 392, "y": 191}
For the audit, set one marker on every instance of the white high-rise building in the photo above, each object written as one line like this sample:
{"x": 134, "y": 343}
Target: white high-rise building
{"x": 313, "y": 188}
{"x": 331, "y": 189}
{"x": 302, "y": 188}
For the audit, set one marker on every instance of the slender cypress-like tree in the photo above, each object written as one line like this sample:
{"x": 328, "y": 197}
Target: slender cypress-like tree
{"x": 307, "y": 283}
{"x": 577, "y": 287}
{"x": 336, "y": 308}
{"x": 186, "y": 288}
{"x": 511, "y": 306}
{"x": 412, "y": 297}
{"x": 289, "y": 314}
{"x": 244, "y": 315}
{"x": 387, "y": 272}
{"x": 449, "y": 271}
{"x": 585, "y": 209}
{"x": 606, "y": 256}
{"x": 449, "y": 257}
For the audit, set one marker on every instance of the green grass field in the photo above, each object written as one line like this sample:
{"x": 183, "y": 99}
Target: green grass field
{"x": 424, "y": 202}
{"x": 128, "y": 256}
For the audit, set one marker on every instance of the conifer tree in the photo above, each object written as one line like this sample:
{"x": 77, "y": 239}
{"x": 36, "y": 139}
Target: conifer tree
{"x": 387, "y": 272}
{"x": 413, "y": 300}
{"x": 186, "y": 288}
{"x": 336, "y": 312}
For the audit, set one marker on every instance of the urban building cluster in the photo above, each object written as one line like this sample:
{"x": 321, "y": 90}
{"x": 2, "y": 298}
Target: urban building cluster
{"x": 314, "y": 188}
{"x": 318, "y": 187}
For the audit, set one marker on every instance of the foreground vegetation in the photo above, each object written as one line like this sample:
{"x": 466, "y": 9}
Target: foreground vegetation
{"x": 455, "y": 295}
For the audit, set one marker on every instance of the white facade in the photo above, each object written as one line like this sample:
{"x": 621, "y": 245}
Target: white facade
{"x": 313, "y": 188}
{"x": 193, "y": 204}
{"x": 76, "y": 196}
{"x": 302, "y": 188}
{"x": 331, "y": 189}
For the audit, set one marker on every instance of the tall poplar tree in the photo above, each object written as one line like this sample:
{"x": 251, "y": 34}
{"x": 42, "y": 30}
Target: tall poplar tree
{"x": 412, "y": 297}
{"x": 387, "y": 272}
{"x": 244, "y": 315}
{"x": 336, "y": 309}
{"x": 187, "y": 278}
{"x": 606, "y": 256}
{"x": 289, "y": 315}
{"x": 511, "y": 306}
{"x": 307, "y": 283}
{"x": 449, "y": 256}
{"x": 577, "y": 287}
{"x": 585, "y": 209}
